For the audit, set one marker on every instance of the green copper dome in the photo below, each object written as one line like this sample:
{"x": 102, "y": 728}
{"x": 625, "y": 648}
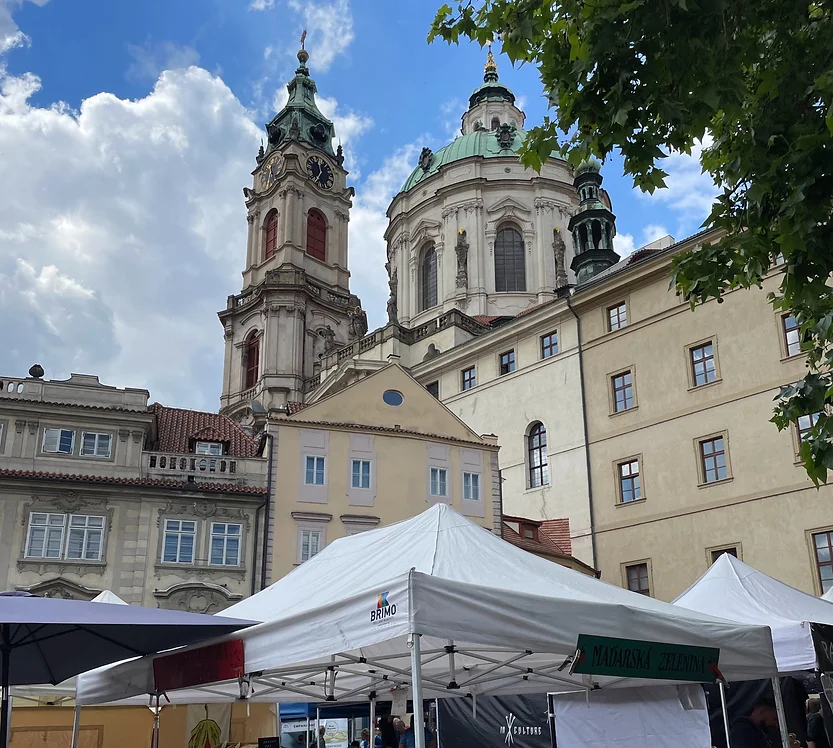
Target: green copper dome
{"x": 588, "y": 166}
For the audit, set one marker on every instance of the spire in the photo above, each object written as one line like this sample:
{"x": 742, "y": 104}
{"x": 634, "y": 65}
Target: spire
{"x": 490, "y": 69}
{"x": 303, "y": 56}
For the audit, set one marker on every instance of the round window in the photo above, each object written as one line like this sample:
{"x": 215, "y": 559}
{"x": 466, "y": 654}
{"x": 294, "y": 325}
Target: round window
{"x": 393, "y": 397}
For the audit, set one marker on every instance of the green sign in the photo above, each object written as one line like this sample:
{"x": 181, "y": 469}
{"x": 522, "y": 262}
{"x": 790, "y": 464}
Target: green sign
{"x": 629, "y": 658}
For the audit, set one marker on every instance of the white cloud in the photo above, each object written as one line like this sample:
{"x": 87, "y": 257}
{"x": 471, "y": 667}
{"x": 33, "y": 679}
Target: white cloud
{"x": 10, "y": 35}
{"x": 151, "y": 58}
{"x": 450, "y": 113}
{"x": 329, "y": 27}
{"x": 261, "y": 4}
{"x": 624, "y": 244}
{"x": 349, "y": 126}
{"x": 652, "y": 232}
{"x": 133, "y": 220}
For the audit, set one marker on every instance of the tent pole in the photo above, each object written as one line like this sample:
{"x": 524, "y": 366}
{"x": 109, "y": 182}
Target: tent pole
{"x": 76, "y": 725}
{"x": 307, "y": 740}
{"x": 725, "y": 710}
{"x": 416, "y": 691}
{"x": 782, "y": 717}
{"x": 154, "y": 740}
{"x": 278, "y": 725}
{"x": 371, "y": 743}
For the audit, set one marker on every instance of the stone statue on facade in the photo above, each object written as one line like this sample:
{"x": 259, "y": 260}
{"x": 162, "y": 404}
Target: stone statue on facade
{"x": 560, "y": 251}
{"x": 392, "y": 282}
{"x": 329, "y": 336}
{"x": 462, "y": 251}
{"x": 358, "y": 318}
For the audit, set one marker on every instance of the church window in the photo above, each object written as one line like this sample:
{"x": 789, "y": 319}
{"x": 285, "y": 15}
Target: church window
{"x": 316, "y": 235}
{"x": 271, "y": 234}
{"x": 510, "y": 273}
{"x": 251, "y": 360}
{"x": 495, "y": 123}
{"x": 428, "y": 278}
{"x": 539, "y": 474}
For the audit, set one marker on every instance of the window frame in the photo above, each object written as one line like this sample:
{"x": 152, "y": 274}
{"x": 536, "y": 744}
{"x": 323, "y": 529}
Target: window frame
{"x": 209, "y": 444}
{"x": 433, "y": 388}
{"x": 552, "y": 345}
{"x": 362, "y": 461}
{"x": 94, "y": 454}
{"x": 311, "y": 532}
{"x": 720, "y": 549}
{"x": 428, "y": 249}
{"x": 620, "y": 478}
{"x": 612, "y": 390}
{"x": 28, "y": 538}
{"x": 785, "y": 337}
{"x": 626, "y": 565}
{"x": 473, "y": 487}
{"x": 468, "y": 382}
{"x": 179, "y": 533}
{"x": 270, "y": 235}
{"x": 511, "y": 271}
{"x": 323, "y": 458}
{"x": 701, "y": 459}
{"x": 511, "y": 363}
{"x": 86, "y": 529}
{"x": 251, "y": 360}
{"x": 818, "y": 582}
{"x": 225, "y": 538}
{"x": 316, "y": 242}
{"x": 621, "y": 309}
{"x": 692, "y": 375}
{"x": 540, "y": 449}
{"x": 441, "y": 482}
{"x": 61, "y": 430}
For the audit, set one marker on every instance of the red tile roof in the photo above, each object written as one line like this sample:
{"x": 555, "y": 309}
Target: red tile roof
{"x": 553, "y": 534}
{"x": 293, "y": 407}
{"x": 141, "y": 482}
{"x": 177, "y": 428}
{"x": 533, "y": 546}
{"x": 485, "y": 319}
{"x": 537, "y": 306}
{"x": 559, "y": 532}
{"x": 15, "y": 399}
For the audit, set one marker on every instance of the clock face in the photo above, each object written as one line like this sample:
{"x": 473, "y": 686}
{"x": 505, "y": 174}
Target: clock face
{"x": 271, "y": 170}
{"x": 320, "y": 172}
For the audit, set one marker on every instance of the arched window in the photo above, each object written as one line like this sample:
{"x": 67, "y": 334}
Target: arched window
{"x": 495, "y": 123}
{"x": 316, "y": 235}
{"x": 510, "y": 274}
{"x": 251, "y": 360}
{"x": 428, "y": 278}
{"x": 536, "y": 445}
{"x": 271, "y": 243}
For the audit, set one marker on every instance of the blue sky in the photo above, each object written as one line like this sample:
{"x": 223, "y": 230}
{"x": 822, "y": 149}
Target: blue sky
{"x": 127, "y": 131}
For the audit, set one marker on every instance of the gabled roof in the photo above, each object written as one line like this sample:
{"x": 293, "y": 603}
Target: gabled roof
{"x": 553, "y": 535}
{"x": 177, "y": 429}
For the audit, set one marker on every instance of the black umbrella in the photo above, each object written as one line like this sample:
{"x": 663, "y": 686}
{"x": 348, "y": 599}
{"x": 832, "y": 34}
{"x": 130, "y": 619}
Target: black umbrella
{"x": 47, "y": 640}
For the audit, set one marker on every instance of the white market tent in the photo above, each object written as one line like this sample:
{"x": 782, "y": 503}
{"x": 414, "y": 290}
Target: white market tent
{"x": 738, "y": 592}
{"x": 439, "y": 597}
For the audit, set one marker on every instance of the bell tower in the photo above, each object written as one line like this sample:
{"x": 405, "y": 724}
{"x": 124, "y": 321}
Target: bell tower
{"x": 296, "y": 304}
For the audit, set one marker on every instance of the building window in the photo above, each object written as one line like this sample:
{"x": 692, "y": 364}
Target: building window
{"x": 271, "y": 234}
{"x": 716, "y": 553}
{"x": 703, "y": 367}
{"x": 469, "y": 378}
{"x": 95, "y": 445}
{"x": 360, "y": 474}
{"x": 85, "y": 536}
{"x": 225, "y": 544}
{"x": 507, "y": 363}
{"x": 433, "y": 389}
{"x": 549, "y": 345}
{"x": 638, "y": 581}
{"x": 630, "y": 482}
{"x": 179, "y": 540}
{"x": 428, "y": 278}
{"x": 214, "y": 449}
{"x": 804, "y": 425}
{"x": 792, "y": 335}
{"x": 713, "y": 459}
{"x": 622, "y": 391}
{"x": 617, "y": 317}
{"x": 310, "y": 544}
{"x": 60, "y": 441}
{"x": 495, "y": 123}
{"x": 510, "y": 268}
{"x": 45, "y": 537}
{"x": 439, "y": 482}
{"x": 823, "y": 545}
{"x": 251, "y": 354}
{"x": 530, "y": 532}
{"x": 314, "y": 471}
{"x": 471, "y": 486}
{"x": 537, "y": 452}
{"x": 317, "y": 235}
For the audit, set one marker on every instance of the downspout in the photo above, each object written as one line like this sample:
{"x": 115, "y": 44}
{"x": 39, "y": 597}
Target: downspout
{"x": 266, "y": 507}
{"x": 254, "y": 545}
{"x": 586, "y": 437}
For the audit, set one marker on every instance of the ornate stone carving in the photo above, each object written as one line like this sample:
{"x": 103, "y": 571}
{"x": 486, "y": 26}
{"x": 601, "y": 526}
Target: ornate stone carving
{"x": 505, "y": 136}
{"x": 19, "y": 426}
{"x": 543, "y": 205}
{"x": 329, "y": 337}
{"x": 342, "y": 214}
{"x": 61, "y": 588}
{"x": 425, "y": 159}
{"x": 33, "y": 426}
{"x": 211, "y": 573}
{"x": 66, "y": 501}
{"x": 358, "y": 318}
{"x": 340, "y": 155}
{"x": 392, "y": 283}
{"x": 462, "y": 251}
{"x": 196, "y": 597}
{"x": 559, "y": 250}
{"x": 203, "y": 510}
{"x": 40, "y": 566}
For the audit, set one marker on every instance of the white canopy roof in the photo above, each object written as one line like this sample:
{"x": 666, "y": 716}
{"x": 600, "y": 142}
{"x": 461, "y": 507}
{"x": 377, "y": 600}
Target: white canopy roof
{"x": 740, "y": 593}
{"x": 338, "y": 625}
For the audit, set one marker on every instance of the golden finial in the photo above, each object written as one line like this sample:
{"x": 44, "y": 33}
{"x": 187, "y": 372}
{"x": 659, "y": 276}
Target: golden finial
{"x": 491, "y": 65}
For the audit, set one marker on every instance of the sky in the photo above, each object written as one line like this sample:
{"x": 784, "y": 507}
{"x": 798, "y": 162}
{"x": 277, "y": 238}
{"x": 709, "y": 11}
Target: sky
{"x": 128, "y": 130}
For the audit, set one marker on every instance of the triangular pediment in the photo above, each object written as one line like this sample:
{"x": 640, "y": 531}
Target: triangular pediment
{"x": 508, "y": 205}
{"x": 63, "y": 588}
{"x": 426, "y": 229}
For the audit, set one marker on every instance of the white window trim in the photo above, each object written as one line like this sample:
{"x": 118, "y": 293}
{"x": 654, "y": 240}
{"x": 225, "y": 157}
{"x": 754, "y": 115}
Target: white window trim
{"x": 29, "y": 534}
{"x": 225, "y": 537}
{"x": 369, "y": 486}
{"x": 97, "y": 435}
{"x": 179, "y": 533}
{"x": 315, "y": 457}
{"x": 57, "y": 451}
{"x": 208, "y": 445}
{"x": 85, "y": 530}
{"x": 439, "y": 482}
{"x": 479, "y": 496}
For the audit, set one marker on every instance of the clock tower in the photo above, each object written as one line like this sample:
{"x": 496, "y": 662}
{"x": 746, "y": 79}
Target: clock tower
{"x": 296, "y": 304}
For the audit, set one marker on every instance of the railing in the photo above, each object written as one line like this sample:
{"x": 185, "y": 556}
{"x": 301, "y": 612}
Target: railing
{"x": 9, "y": 387}
{"x": 311, "y": 383}
{"x": 218, "y": 469}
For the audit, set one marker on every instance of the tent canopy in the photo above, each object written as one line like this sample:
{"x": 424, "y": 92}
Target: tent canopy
{"x": 492, "y": 619}
{"x": 741, "y": 593}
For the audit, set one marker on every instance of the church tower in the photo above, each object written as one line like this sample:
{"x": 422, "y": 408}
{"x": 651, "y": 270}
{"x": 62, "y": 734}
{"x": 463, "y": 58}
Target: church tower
{"x": 296, "y": 303}
{"x": 593, "y": 225}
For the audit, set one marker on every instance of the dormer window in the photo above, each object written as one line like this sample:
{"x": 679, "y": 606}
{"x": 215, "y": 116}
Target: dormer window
{"x": 529, "y": 531}
{"x": 215, "y": 449}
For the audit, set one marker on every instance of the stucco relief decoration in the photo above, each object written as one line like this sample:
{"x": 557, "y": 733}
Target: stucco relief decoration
{"x": 462, "y": 251}
{"x": 66, "y": 501}
{"x": 393, "y": 279}
{"x": 329, "y": 337}
{"x": 559, "y": 250}
{"x": 196, "y": 597}
{"x": 505, "y": 136}
{"x": 203, "y": 510}
{"x": 63, "y": 589}
{"x": 425, "y": 157}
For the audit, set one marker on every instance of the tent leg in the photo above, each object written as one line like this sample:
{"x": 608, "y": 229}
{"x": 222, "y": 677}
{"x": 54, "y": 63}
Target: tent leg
{"x": 372, "y": 740}
{"x": 76, "y": 725}
{"x": 416, "y": 691}
{"x": 307, "y": 741}
{"x": 782, "y": 717}
{"x": 154, "y": 740}
{"x": 278, "y": 720}
{"x": 725, "y": 711}
{"x": 5, "y": 717}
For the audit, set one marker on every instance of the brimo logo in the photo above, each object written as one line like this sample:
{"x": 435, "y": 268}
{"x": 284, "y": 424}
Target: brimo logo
{"x": 384, "y": 609}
